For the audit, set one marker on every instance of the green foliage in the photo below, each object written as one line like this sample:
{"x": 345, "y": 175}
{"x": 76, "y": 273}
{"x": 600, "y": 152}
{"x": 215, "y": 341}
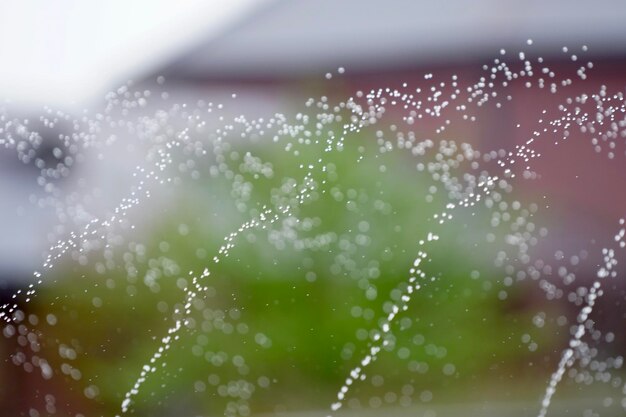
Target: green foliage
{"x": 289, "y": 320}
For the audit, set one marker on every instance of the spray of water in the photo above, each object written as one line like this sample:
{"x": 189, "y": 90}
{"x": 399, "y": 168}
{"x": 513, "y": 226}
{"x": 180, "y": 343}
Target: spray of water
{"x": 178, "y": 141}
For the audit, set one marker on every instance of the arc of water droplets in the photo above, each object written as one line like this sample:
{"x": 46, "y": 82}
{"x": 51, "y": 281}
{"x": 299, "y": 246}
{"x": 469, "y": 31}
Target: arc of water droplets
{"x": 265, "y": 218}
{"x": 95, "y": 226}
{"x": 141, "y": 192}
{"x": 568, "y": 356}
{"x": 606, "y": 114}
{"x": 91, "y": 229}
{"x": 523, "y": 152}
{"x": 415, "y": 273}
{"x": 165, "y": 159}
{"x": 357, "y": 373}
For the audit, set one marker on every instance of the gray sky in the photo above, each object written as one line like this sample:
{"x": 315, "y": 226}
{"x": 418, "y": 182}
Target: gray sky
{"x": 66, "y": 52}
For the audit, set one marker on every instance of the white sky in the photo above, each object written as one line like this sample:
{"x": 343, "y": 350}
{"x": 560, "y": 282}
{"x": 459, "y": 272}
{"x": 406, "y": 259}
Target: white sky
{"x": 66, "y": 52}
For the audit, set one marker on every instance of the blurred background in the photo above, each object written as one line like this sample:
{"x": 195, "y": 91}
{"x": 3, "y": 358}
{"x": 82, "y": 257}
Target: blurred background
{"x": 281, "y": 327}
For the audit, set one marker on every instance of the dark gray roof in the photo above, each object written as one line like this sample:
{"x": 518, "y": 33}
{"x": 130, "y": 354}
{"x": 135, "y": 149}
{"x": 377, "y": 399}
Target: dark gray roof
{"x": 305, "y": 36}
